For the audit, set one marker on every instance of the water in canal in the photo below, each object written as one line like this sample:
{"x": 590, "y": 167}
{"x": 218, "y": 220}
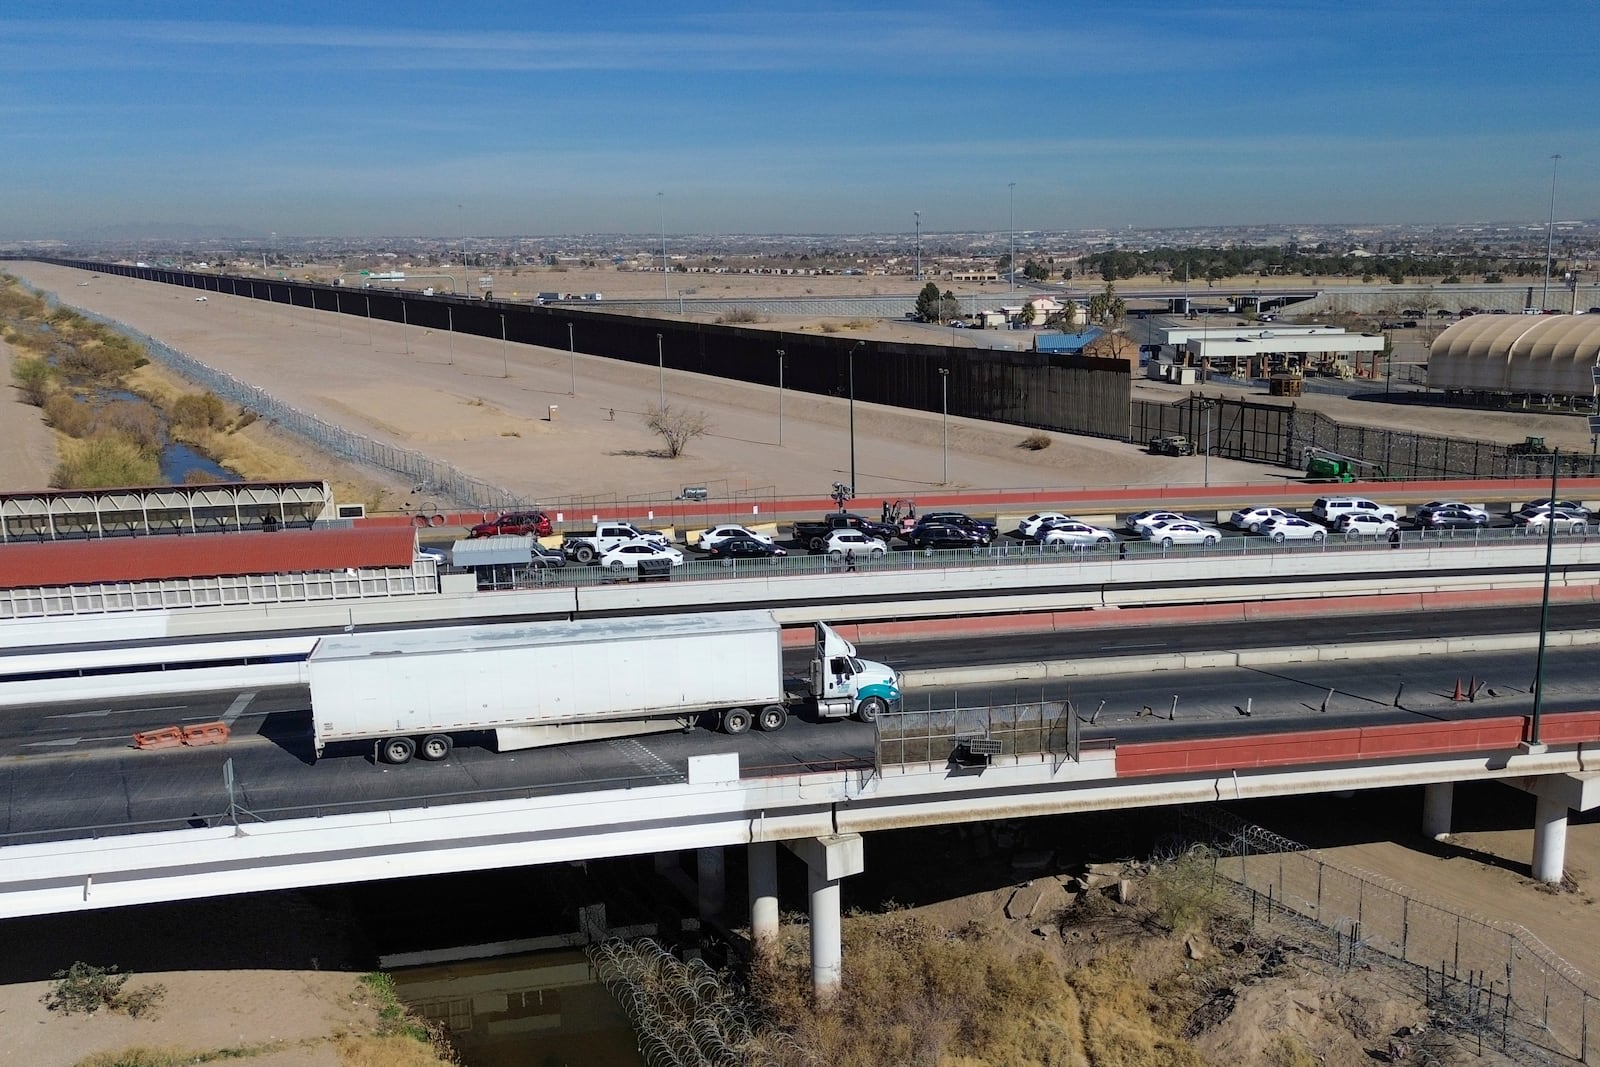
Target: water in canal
{"x": 541, "y": 1010}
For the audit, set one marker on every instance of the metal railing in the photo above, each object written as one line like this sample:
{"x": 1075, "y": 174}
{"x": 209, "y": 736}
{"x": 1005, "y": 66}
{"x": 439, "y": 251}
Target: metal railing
{"x": 1492, "y": 977}
{"x": 1019, "y": 732}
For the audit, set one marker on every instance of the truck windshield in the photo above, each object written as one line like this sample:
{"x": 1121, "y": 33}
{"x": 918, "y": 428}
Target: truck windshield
{"x": 855, "y": 666}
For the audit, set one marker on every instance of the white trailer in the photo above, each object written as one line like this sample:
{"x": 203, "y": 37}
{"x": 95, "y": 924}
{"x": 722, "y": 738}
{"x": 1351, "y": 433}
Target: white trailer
{"x": 548, "y": 683}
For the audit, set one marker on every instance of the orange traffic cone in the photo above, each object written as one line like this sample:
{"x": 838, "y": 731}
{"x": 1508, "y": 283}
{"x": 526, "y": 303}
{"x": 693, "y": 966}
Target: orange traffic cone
{"x": 1457, "y": 694}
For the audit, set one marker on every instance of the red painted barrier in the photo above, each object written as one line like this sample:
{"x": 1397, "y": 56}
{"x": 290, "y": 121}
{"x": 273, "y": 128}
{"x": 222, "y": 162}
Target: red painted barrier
{"x": 1313, "y": 747}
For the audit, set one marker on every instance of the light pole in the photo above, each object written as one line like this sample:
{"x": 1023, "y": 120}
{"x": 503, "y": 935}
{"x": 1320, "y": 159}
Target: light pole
{"x": 1544, "y": 606}
{"x": 1549, "y": 234}
{"x": 666, "y": 285}
{"x": 572, "y": 352}
{"x": 780, "y": 398}
{"x": 1013, "y": 253}
{"x": 918, "y": 216}
{"x": 853, "y": 348}
{"x": 944, "y": 414}
{"x": 661, "y": 374}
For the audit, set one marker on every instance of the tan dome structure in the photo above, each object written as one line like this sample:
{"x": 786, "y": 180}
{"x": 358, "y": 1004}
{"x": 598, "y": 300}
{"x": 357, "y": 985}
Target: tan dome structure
{"x": 1536, "y": 354}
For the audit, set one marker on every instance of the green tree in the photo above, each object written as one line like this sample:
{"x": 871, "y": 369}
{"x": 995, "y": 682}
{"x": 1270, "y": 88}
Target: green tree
{"x": 928, "y": 303}
{"x": 949, "y": 307}
{"x": 1107, "y": 306}
{"x": 1034, "y": 271}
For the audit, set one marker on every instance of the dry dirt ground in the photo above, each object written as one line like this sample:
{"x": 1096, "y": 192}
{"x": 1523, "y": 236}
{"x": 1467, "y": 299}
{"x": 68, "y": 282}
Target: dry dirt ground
{"x": 449, "y": 398}
{"x": 27, "y": 447}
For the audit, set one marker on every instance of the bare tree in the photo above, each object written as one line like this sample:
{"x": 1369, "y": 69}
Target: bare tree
{"x": 676, "y": 428}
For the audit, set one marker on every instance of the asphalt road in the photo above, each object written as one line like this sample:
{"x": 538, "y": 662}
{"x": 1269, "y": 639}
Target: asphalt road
{"x": 71, "y": 772}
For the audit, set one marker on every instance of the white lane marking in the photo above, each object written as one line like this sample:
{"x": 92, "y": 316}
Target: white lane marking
{"x": 65, "y": 742}
{"x": 236, "y": 709}
{"x": 1157, "y": 644}
{"x": 1368, "y": 633}
{"x": 103, "y": 712}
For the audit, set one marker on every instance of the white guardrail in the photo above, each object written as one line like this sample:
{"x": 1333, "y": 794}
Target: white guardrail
{"x": 204, "y": 648}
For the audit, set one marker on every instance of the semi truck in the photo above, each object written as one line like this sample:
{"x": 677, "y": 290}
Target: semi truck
{"x": 414, "y": 692}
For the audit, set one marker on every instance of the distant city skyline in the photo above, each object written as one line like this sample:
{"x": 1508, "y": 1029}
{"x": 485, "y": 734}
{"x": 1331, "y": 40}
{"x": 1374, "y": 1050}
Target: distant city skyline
{"x": 404, "y": 118}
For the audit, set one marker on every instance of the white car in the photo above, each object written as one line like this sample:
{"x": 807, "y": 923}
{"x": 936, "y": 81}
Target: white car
{"x": 1182, "y": 532}
{"x": 1039, "y": 521}
{"x": 1572, "y": 522}
{"x": 1293, "y": 528}
{"x": 843, "y": 541}
{"x": 718, "y": 534}
{"x": 627, "y": 555}
{"x": 1366, "y": 524}
{"x": 1145, "y": 519}
{"x": 1076, "y": 534}
{"x": 1252, "y": 518}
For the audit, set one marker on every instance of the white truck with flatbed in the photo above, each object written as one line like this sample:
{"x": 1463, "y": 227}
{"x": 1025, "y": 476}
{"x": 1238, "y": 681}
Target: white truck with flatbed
{"x": 412, "y": 692}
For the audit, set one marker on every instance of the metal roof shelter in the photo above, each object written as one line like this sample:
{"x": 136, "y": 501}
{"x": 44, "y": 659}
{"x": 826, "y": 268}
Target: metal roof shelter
{"x": 1534, "y": 354}
{"x": 164, "y": 509}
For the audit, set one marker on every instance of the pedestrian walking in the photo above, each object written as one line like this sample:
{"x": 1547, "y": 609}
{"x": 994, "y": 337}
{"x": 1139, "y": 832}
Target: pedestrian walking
{"x": 1394, "y": 538}
{"x": 1122, "y": 550}
{"x": 850, "y": 559}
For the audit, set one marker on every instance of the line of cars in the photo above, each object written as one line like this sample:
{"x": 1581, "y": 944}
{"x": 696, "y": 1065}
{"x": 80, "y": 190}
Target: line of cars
{"x": 842, "y": 535}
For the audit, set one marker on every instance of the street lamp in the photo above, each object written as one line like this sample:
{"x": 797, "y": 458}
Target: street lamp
{"x": 780, "y": 398}
{"x": 661, "y": 375}
{"x": 666, "y": 284}
{"x": 944, "y": 413}
{"x": 1549, "y": 234}
{"x": 853, "y": 348}
{"x": 1013, "y": 255}
{"x": 918, "y": 216}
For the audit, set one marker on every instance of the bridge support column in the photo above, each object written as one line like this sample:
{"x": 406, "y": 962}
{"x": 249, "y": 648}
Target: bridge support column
{"x": 830, "y": 859}
{"x": 1557, "y": 796}
{"x": 1437, "y": 800}
{"x": 762, "y": 858}
{"x": 711, "y": 878}
{"x": 1550, "y": 839}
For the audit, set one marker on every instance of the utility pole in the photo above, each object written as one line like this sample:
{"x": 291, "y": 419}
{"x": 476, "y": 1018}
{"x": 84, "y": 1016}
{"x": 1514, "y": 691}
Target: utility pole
{"x": 1549, "y": 234}
{"x": 1013, "y": 187}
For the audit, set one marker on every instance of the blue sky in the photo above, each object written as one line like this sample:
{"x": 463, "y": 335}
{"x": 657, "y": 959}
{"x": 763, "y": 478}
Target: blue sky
{"x": 544, "y": 118}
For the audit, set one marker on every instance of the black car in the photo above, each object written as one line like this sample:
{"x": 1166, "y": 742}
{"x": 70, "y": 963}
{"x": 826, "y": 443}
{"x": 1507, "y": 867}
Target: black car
{"x": 540, "y": 556}
{"x": 744, "y": 548}
{"x": 986, "y": 531}
{"x": 943, "y": 535}
{"x": 1452, "y": 519}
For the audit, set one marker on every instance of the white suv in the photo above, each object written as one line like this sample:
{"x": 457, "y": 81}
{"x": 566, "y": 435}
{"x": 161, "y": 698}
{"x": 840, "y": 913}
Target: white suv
{"x": 1330, "y": 509}
{"x": 1366, "y": 524}
{"x": 842, "y": 541}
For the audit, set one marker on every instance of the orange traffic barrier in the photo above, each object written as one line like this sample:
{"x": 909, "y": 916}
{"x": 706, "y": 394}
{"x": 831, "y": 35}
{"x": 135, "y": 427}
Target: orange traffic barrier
{"x": 1457, "y": 694}
{"x": 166, "y": 737}
{"x": 206, "y": 733}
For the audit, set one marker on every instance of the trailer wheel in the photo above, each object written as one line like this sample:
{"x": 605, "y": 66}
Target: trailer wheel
{"x": 772, "y": 717}
{"x": 397, "y": 750}
{"x": 869, "y": 709}
{"x": 736, "y": 720}
{"x": 435, "y": 747}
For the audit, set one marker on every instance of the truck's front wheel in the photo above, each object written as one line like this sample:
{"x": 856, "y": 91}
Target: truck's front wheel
{"x": 397, "y": 750}
{"x": 736, "y": 720}
{"x": 772, "y": 717}
{"x": 869, "y": 709}
{"x": 583, "y": 554}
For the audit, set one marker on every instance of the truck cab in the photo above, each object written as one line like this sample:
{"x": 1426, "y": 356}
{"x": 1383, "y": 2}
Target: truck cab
{"x": 844, "y": 684}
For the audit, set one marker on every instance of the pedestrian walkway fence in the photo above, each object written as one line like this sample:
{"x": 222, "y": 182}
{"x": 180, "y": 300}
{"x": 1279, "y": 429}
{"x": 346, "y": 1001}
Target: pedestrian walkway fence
{"x": 1489, "y": 978}
{"x": 1037, "y": 731}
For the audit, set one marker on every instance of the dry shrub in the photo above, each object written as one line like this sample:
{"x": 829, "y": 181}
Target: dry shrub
{"x": 102, "y": 358}
{"x": 85, "y": 988}
{"x": 1184, "y": 891}
{"x": 246, "y": 417}
{"x": 390, "y": 1050}
{"x": 915, "y": 993}
{"x": 68, "y": 414}
{"x": 829, "y": 327}
{"x": 1037, "y": 441}
{"x": 738, "y": 315}
{"x": 676, "y": 428}
{"x": 199, "y": 411}
{"x": 103, "y": 462}
{"x": 860, "y": 324}
{"x": 32, "y": 378}
{"x": 1118, "y": 1018}
{"x": 136, "y": 421}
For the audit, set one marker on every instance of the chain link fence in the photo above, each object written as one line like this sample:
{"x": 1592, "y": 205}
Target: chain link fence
{"x": 1495, "y": 978}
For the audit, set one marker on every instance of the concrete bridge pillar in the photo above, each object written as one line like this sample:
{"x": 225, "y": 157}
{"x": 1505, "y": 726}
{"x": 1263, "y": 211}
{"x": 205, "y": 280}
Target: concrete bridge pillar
{"x": 830, "y": 860}
{"x": 1549, "y": 839}
{"x": 711, "y": 879}
{"x": 763, "y": 863}
{"x": 1437, "y": 799}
